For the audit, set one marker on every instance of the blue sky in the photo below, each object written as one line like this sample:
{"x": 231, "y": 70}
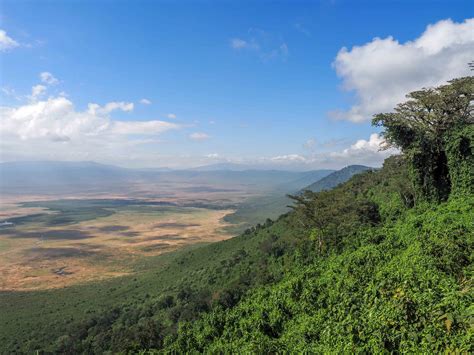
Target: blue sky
{"x": 255, "y": 82}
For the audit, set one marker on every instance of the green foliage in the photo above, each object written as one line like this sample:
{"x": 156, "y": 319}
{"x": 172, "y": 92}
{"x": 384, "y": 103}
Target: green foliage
{"x": 459, "y": 149}
{"x": 407, "y": 293}
{"x": 422, "y": 127}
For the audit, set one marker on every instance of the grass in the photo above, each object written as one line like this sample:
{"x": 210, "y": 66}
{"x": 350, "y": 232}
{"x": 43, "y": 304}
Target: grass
{"x": 94, "y": 244}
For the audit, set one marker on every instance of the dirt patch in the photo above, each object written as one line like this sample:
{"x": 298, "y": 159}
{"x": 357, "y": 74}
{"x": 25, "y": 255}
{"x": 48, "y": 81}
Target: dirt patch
{"x": 61, "y": 271}
{"x": 175, "y": 225}
{"x": 35, "y": 257}
{"x": 167, "y": 237}
{"x": 154, "y": 247}
{"x": 113, "y": 228}
{"x": 54, "y": 234}
{"x": 130, "y": 234}
{"x": 55, "y": 253}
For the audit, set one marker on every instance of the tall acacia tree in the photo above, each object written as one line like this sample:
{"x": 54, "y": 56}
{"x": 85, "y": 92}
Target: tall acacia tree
{"x": 430, "y": 127}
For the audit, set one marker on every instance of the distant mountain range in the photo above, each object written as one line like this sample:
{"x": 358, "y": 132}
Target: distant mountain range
{"x": 257, "y": 209}
{"x": 53, "y": 176}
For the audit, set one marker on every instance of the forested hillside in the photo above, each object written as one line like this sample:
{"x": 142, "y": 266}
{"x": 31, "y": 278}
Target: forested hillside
{"x": 385, "y": 261}
{"x": 381, "y": 263}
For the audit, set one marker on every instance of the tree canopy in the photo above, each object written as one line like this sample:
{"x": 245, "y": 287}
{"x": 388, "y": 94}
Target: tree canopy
{"x": 424, "y": 128}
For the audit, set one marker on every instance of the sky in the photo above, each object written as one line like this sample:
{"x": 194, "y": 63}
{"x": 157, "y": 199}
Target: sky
{"x": 283, "y": 84}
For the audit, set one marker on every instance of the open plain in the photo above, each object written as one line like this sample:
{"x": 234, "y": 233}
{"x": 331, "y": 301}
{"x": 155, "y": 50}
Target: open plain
{"x": 47, "y": 241}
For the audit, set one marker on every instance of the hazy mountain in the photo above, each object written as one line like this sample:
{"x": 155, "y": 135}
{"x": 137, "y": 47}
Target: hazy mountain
{"x": 306, "y": 178}
{"x": 44, "y": 176}
{"x": 337, "y": 177}
{"x": 54, "y": 176}
{"x": 258, "y": 209}
{"x": 260, "y": 166}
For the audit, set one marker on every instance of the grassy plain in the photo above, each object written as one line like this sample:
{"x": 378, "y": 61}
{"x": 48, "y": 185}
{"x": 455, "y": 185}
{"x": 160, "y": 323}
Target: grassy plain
{"x": 83, "y": 240}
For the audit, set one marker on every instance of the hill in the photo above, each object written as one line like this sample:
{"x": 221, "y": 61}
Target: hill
{"x": 336, "y": 178}
{"x": 271, "y": 205}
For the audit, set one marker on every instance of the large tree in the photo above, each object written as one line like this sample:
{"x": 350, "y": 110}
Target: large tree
{"x": 432, "y": 125}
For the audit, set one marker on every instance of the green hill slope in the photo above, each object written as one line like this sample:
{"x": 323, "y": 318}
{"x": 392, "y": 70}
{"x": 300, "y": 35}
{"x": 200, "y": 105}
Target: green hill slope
{"x": 405, "y": 286}
{"x": 336, "y": 178}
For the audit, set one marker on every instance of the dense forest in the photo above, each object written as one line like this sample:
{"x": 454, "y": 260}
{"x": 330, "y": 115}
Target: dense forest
{"x": 381, "y": 263}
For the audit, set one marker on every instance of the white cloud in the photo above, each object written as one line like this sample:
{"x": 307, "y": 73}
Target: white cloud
{"x": 145, "y": 102}
{"x": 363, "y": 151}
{"x": 366, "y": 152}
{"x": 54, "y": 129}
{"x": 142, "y": 127}
{"x": 48, "y": 78}
{"x": 6, "y": 42}
{"x": 109, "y": 107}
{"x": 171, "y": 116}
{"x": 199, "y": 136}
{"x": 238, "y": 43}
{"x": 383, "y": 71}
{"x": 9, "y": 92}
{"x": 366, "y": 149}
{"x": 310, "y": 143}
{"x": 261, "y": 43}
{"x": 289, "y": 158}
{"x": 37, "y": 91}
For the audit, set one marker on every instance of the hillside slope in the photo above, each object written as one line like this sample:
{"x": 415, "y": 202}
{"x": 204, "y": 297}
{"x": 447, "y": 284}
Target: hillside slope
{"x": 271, "y": 205}
{"x": 336, "y": 178}
{"x": 406, "y": 287}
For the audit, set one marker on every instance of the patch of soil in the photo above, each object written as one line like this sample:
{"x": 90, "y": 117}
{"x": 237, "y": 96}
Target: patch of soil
{"x": 113, "y": 228}
{"x": 175, "y": 225}
{"x": 55, "y": 253}
{"x": 55, "y": 234}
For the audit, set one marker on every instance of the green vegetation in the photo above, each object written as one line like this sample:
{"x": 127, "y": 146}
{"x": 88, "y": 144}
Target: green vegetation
{"x": 434, "y": 130}
{"x": 380, "y": 264}
{"x": 258, "y": 209}
{"x": 336, "y": 178}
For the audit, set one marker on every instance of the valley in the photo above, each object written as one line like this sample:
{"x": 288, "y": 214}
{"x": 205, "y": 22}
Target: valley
{"x": 49, "y": 239}
{"x": 85, "y": 240}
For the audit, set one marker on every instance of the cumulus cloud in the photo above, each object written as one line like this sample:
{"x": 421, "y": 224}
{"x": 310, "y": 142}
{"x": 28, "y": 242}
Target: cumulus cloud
{"x": 48, "y": 78}
{"x": 381, "y": 72}
{"x": 6, "y": 42}
{"x": 371, "y": 152}
{"x": 171, "y": 116}
{"x": 145, "y": 102}
{"x": 37, "y": 91}
{"x": 199, "y": 136}
{"x": 55, "y": 129}
{"x": 365, "y": 151}
{"x": 109, "y": 107}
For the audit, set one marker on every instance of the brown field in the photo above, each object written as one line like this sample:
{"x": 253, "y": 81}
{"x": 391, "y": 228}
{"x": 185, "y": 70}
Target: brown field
{"x": 40, "y": 256}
